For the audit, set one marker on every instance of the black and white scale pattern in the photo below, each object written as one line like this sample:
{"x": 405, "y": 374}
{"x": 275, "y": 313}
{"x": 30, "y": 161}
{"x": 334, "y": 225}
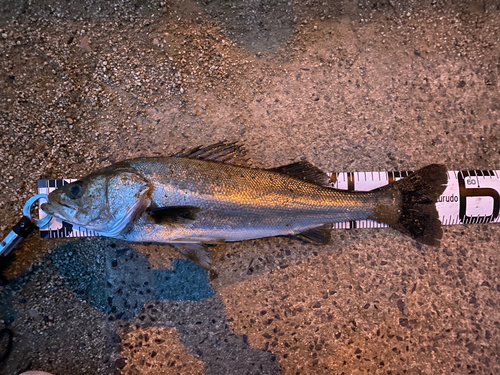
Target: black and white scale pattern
{"x": 471, "y": 197}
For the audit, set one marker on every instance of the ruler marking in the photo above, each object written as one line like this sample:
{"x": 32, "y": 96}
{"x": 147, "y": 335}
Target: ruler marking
{"x": 465, "y": 202}
{"x": 350, "y": 187}
{"x": 350, "y": 181}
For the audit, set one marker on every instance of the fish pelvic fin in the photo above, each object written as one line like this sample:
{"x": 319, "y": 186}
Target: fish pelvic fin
{"x": 196, "y": 252}
{"x": 413, "y": 211}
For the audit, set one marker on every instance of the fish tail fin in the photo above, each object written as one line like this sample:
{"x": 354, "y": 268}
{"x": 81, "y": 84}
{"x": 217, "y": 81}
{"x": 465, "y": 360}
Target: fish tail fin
{"x": 413, "y": 210}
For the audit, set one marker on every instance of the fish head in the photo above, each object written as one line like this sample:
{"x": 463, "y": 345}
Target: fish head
{"x": 105, "y": 201}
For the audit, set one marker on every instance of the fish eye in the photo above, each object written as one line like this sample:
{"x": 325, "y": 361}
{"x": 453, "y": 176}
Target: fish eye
{"x": 75, "y": 191}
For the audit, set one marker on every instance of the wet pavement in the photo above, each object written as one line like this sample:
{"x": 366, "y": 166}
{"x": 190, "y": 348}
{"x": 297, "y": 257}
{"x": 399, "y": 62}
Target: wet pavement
{"x": 348, "y": 86}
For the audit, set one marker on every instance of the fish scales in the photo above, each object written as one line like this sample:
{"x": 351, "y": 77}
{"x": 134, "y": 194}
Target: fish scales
{"x": 240, "y": 203}
{"x": 197, "y": 197}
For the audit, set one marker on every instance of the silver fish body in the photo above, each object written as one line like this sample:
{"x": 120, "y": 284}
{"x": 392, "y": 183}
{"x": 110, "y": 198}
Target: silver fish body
{"x": 238, "y": 203}
{"x": 188, "y": 200}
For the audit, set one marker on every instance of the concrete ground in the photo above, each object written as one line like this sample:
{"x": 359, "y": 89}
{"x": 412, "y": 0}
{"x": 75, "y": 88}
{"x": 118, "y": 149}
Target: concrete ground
{"x": 348, "y": 85}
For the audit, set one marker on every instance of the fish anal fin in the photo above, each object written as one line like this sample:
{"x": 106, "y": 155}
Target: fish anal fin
{"x": 196, "y": 252}
{"x": 304, "y": 171}
{"x": 320, "y": 235}
{"x": 223, "y": 152}
{"x": 173, "y": 214}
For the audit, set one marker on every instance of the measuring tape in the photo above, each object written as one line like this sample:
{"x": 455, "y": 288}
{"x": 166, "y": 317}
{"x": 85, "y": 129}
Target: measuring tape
{"x": 471, "y": 197}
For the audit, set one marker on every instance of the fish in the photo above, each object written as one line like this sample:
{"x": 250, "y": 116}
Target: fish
{"x": 210, "y": 195}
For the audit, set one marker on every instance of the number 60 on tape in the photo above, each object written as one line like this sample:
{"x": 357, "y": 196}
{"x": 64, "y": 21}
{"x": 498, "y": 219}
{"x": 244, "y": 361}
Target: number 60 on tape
{"x": 471, "y": 197}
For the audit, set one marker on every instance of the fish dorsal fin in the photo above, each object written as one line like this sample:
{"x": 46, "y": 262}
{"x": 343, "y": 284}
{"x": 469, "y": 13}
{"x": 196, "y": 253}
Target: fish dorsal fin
{"x": 320, "y": 235}
{"x": 304, "y": 171}
{"x": 223, "y": 152}
{"x": 173, "y": 214}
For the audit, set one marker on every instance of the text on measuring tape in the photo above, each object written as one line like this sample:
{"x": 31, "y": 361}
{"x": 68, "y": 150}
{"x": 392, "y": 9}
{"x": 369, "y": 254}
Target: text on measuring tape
{"x": 471, "y": 197}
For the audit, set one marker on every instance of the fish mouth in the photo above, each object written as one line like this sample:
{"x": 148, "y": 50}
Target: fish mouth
{"x": 47, "y": 208}
{"x": 59, "y": 210}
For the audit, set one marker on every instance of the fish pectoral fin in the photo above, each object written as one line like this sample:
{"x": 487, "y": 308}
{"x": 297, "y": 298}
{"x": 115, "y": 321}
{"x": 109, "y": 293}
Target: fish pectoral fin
{"x": 320, "y": 235}
{"x": 223, "y": 152}
{"x": 304, "y": 171}
{"x": 197, "y": 252}
{"x": 173, "y": 214}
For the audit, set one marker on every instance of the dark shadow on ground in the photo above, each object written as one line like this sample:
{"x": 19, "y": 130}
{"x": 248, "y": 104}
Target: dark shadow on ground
{"x": 109, "y": 285}
{"x": 257, "y": 25}
{"x": 119, "y": 280}
{"x": 203, "y": 329}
